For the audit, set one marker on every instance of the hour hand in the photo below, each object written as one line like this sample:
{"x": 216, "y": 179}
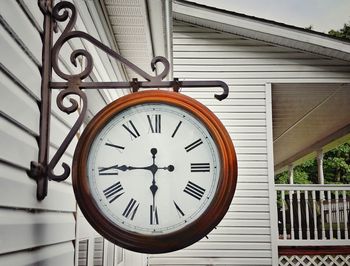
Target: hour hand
{"x": 113, "y": 170}
{"x": 110, "y": 170}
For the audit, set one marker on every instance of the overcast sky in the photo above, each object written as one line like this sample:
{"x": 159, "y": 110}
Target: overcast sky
{"x": 323, "y": 15}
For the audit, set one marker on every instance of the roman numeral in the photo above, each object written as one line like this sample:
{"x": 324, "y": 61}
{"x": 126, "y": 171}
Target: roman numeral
{"x": 200, "y": 167}
{"x": 194, "y": 190}
{"x": 154, "y": 123}
{"x": 131, "y": 209}
{"x": 102, "y": 171}
{"x": 153, "y": 215}
{"x": 113, "y": 192}
{"x": 120, "y": 148}
{"x": 131, "y": 129}
{"x": 176, "y": 129}
{"x": 179, "y": 211}
{"x": 193, "y": 145}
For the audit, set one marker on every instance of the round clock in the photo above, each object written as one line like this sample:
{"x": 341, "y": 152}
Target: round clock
{"x": 154, "y": 171}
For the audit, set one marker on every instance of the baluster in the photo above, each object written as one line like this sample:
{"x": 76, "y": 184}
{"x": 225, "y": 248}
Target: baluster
{"x": 346, "y": 232}
{"x": 299, "y": 215}
{"x": 307, "y": 214}
{"x": 330, "y": 215}
{"x": 284, "y": 221}
{"x": 337, "y": 213}
{"x": 322, "y": 214}
{"x": 291, "y": 192}
{"x": 313, "y": 193}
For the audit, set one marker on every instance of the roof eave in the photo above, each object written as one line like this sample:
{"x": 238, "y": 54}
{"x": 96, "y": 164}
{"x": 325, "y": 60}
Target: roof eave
{"x": 262, "y": 30}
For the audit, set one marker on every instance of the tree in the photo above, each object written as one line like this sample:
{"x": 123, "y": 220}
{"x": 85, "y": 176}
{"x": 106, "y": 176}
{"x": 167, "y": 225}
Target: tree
{"x": 336, "y": 168}
{"x": 342, "y": 33}
{"x": 337, "y": 165}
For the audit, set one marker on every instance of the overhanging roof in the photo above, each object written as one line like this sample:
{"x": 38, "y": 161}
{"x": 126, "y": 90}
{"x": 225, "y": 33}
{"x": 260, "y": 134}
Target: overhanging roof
{"x": 306, "y": 117}
{"x": 141, "y": 30}
{"x": 261, "y": 29}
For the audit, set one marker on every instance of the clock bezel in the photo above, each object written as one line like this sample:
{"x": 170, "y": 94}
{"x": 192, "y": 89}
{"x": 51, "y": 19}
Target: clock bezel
{"x": 195, "y": 230}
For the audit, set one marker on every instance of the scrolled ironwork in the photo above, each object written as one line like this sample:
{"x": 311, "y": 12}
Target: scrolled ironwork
{"x": 73, "y": 85}
{"x": 68, "y": 109}
{"x": 61, "y": 14}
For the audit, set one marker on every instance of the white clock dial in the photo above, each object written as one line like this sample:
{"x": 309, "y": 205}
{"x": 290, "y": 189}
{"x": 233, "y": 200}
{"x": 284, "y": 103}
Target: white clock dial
{"x": 153, "y": 169}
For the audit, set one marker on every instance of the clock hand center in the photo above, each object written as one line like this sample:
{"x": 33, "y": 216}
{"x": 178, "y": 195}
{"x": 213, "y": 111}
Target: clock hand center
{"x": 153, "y": 167}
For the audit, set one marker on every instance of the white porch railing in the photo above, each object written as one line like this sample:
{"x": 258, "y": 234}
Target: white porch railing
{"x": 316, "y": 215}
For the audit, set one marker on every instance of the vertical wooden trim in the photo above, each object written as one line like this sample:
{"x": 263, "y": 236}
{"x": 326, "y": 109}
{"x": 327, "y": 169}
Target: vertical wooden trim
{"x": 291, "y": 173}
{"x": 271, "y": 179}
{"x": 77, "y": 231}
{"x": 320, "y": 166}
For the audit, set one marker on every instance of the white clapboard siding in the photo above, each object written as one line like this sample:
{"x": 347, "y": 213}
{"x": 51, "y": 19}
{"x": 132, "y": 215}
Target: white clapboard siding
{"x": 27, "y": 110}
{"x": 244, "y": 235}
{"x": 27, "y": 72}
{"x": 17, "y": 146}
{"x": 53, "y": 255}
{"x": 33, "y": 232}
{"x": 15, "y": 181}
{"x": 23, "y": 229}
{"x": 15, "y": 18}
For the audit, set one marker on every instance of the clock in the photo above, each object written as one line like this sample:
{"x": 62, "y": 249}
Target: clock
{"x": 154, "y": 171}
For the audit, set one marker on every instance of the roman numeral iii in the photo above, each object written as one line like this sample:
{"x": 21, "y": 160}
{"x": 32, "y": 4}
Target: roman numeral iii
{"x": 154, "y": 123}
{"x": 194, "y": 190}
{"x": 200, "y": 167}
{"x": 113, "y": 192}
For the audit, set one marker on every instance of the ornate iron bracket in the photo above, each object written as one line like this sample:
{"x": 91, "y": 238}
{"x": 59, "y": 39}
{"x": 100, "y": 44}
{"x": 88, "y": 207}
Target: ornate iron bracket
{"x": 42, "y": 171}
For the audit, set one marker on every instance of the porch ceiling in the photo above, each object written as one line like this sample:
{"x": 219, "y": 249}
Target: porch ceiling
{"x": 140, "y": 30}
{"x": 306, "y": 117}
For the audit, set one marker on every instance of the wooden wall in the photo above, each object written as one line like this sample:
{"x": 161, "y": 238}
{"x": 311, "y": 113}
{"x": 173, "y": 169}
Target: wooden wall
{"x": 247, "y": 235}
{"x": 33, "y": 232}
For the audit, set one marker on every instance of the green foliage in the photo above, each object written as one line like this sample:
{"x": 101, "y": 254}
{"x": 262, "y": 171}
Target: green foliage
{"x": 342, "y": 33}
{"x": 336, "y": 168}
{"x": 336, "y": 165}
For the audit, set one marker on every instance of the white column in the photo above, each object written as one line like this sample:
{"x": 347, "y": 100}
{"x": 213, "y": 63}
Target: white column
{"x": 291, "y": 174}
{"x": 320, "y": 167}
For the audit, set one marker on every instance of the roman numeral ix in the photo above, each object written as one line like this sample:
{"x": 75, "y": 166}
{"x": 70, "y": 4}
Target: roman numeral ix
{"x": 194, "y": 190}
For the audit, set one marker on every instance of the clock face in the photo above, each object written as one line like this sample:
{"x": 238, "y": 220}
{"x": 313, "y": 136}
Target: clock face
{"x": 153, "y": 169}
